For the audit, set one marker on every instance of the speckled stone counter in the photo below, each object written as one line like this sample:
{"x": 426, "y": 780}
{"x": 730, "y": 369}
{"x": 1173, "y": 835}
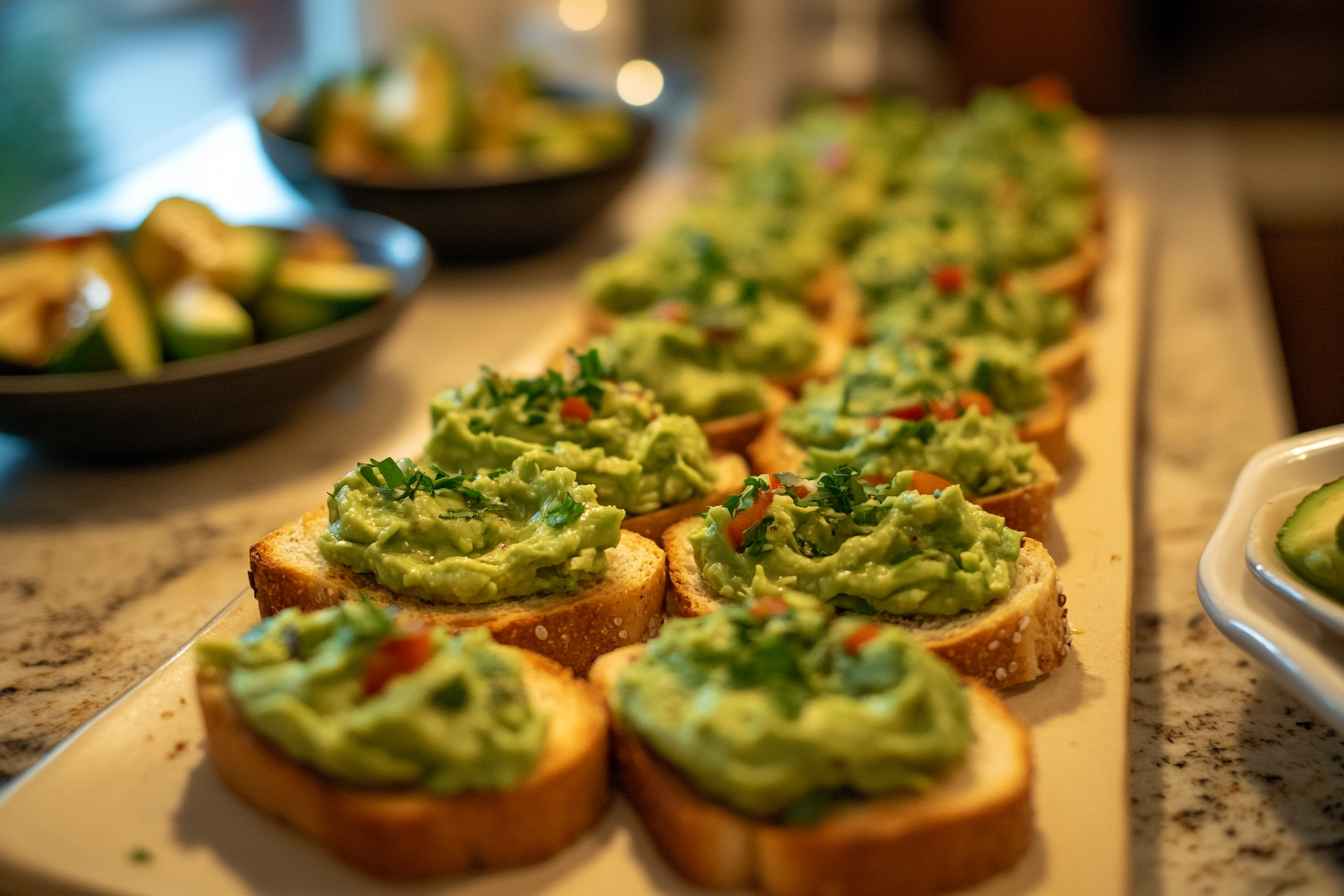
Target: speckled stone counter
{"x": 1236, "y": 788}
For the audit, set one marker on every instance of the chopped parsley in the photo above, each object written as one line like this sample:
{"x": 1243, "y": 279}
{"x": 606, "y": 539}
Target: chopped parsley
{"x": 754, "y": 541}
{"x": 395, "y": 484}
{"x": 451, "y": 696}
{"x": 751, "y": 487}
{"x": 841, "y": 489}
{"x": 563, "y": 512}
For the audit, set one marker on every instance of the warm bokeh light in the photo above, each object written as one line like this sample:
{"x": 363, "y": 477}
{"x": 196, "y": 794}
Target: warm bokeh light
{"x": 639, "y": 82}
{"x": 581, "y": 15}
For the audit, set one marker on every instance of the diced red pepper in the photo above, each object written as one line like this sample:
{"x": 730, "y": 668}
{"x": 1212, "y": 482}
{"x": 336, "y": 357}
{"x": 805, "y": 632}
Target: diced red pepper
{"x": 915, "y": 410}
{"x": 969, "y": 398}
{"x": 677, "y": 312}
{"x": 928, "y": 483}
{"x": 769, "y": 606}
{"x": 576, "y": 407}
{"x": 1048, "y": 92}
{"x": 398, "y": 655}
{"x": 861, "y": 636}
{"x": 745, "y": 519}
{"x": 798, "y": 491}
{"x": 876, "y": 479}
{"x": 949, "y": 278}
{"x": 721, "y": 334}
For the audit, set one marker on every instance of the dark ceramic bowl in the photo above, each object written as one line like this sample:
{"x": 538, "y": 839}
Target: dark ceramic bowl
{"x": 472, "y": 216}
{"x": 206, "y": 402}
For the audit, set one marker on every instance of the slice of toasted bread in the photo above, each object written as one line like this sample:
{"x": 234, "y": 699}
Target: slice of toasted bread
{"x": 1012, "y": 641}
{"x": 970, "y": 825}
{"x": 407, "y": 833}
{"x": 1074, "y": 274}
{"x": 624, "y": 606}
{"x": 1026, "y": 508}
{"x": 734, "y": 433}
{"x": 1066, "y": 362}
{"x": 732, "y": 469}
{"x": 835, "y": 334}
{"x": 1048, "y": 426}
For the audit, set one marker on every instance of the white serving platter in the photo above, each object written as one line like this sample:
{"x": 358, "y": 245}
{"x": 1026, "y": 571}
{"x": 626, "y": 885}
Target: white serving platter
{"x": 1248, "y": 592}
{"x": 135, "y": 777}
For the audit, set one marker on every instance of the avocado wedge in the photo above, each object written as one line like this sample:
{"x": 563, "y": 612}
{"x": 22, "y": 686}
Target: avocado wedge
{"x": 178, "y": 237}
{"x": 108, "y": 323}
{"x": 420, "y": 104}
{"x": 199, "y": 319}
{"x": 1311, "y": 540}
{"x": 309, "y": 294}
{"x": 246, "y": 261}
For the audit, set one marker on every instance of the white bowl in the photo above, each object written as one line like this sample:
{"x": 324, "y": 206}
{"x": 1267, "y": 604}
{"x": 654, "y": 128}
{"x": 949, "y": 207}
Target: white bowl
{"x": 1295, "y": 630}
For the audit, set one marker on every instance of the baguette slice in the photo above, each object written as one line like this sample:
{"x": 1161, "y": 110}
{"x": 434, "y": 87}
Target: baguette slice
{"x": 973, "y": 824}
{"x": 734, "y": 433}
{"x": 732, "y": 469}
{"x": 1074, "y": 274}
{"x": 624, "y": 606}
{"x": 1017, "y": 639}
{"x": 1048, "y": 426}
{"x": 835, "y": 334}
{"x": 1066, "y": 362}
{"x": 1026, "y": 509}
{"x": 408, "y": 834}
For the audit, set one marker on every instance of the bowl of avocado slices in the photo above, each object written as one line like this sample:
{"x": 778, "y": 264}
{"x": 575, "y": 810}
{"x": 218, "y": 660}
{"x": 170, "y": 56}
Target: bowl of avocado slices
{"x": 189, "y": 332}
{"x": 488, "y": 168}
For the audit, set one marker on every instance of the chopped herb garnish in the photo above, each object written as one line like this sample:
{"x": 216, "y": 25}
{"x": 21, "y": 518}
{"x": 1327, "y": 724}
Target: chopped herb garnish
{"x": 841, "y": 489}
{"x": 563, "y": 512}
{"x": 395, "y": 484}
{"x": 451, "y": 696}
{"x": 754, "y": 542}
{"x": 141, "y": 856}
{"x": 751, "y": 487}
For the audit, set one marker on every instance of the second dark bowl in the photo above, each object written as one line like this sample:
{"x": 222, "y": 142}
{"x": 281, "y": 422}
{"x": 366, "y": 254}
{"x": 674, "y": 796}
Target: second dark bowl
{"x": 469, "y": 217}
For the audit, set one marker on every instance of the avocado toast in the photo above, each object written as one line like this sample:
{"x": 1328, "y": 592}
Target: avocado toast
{"x": 873, "y": 769}
{"x": 912, "y": 551}
{"x": 405, "y": 751}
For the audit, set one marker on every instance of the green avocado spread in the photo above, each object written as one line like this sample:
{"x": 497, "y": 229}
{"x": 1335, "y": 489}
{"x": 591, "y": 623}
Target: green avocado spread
{"x": 343, "y": 691}
{"x": 983, "y": 454}
{"x": 683, "y": 367}
{"x": 455, "y": 538}
{"x": 884, "y": 548}
{"x": 779, "y": 709}
{"x": 614, "y": 435}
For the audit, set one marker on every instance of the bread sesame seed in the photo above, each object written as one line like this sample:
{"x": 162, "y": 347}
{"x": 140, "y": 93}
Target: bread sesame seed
{"x": 1017, "y": 637}
{"x": 624, "y": 634}
{"x": 541, "y": 633}
{"x": 1026, "y": 620}
{"x": 1000, "y": 674}
{"x": 1012, "y": 667}
{"x": 993, "y": 645}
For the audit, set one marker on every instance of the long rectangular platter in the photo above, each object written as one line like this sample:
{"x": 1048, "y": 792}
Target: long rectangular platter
{"x": 128, "y": 803}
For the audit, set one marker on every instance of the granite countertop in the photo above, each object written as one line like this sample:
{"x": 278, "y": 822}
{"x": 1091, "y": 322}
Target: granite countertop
{"x": 1236, "y": 788}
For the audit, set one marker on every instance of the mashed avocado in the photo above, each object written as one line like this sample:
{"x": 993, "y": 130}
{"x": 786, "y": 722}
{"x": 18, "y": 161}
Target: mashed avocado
{"x": 882, "y": 548}
{"x": 779, "y": 709}
{"x": 892, "y": 375}
{"x": 612, "y": 434}
{"x": 1018, "y": 312}
{"x": 343, "y": 691}
{"x": 469, "y": 539}
{"x": 684, "y": 369}
{"x": 981, "y": 453}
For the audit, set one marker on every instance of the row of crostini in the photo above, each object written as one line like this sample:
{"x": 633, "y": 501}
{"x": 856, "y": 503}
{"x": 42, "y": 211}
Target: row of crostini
{"x": 817, "y": 713}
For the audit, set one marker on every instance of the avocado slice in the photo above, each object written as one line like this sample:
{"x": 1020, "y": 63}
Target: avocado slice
{"x": 35, "y": 286}
{"x": 1310, "y": 539}
{"x": 199, "y": 319}
{"x": 108, "y": 324}
{"x": 420, "y": 104}
{"x": 178, "y": 237}
{"x": 308, "y": 294}
{"x": 246, "y": 261}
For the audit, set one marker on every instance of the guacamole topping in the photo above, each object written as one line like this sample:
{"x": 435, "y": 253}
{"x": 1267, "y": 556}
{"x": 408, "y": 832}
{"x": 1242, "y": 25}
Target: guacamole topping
{"x": 779, "y": 709}
{"x": 614, "y": 435}
{"x": 877, "y": 548}
{"x": 456, "y": 538}
{"x": 959, "y": 308}
{"x": 686, "y": 371}
{"x": 346, "y": 692}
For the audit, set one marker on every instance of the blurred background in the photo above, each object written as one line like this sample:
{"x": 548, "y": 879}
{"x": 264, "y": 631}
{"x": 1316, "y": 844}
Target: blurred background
{"x": 102, "y": 93}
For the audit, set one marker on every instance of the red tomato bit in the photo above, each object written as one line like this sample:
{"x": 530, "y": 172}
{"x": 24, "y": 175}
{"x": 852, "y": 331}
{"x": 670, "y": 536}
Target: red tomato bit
{"x": 769, "y": 606}
{"x": 398, "y": 655}
{"x": 745, "y": 519}
{"x": 861, "y": 636}
{"x": 576, "y": 407}
{"x": 949, "y": 279}
{"x": 928, "y": 483}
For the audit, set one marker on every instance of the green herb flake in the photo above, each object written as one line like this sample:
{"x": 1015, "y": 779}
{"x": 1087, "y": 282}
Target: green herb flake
{"x": 140, "y": 856}
{"x": 563, "y": 512}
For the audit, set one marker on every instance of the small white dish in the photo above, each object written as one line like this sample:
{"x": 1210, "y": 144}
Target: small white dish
{"x": 1262, "y": 556}
{"x": 1249, "y": 594}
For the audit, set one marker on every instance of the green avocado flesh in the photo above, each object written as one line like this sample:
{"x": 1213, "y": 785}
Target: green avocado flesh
{"x": 1311, "y": 540}
{"x": 781, "y": 708}
{"x": 325, "y": 688}
{"x": 110, "y": 323}
{"x": 198, "y": 320}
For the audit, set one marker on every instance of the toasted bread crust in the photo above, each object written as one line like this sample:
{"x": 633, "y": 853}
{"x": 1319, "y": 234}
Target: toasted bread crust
{"x": 1048, "y": 427}
{"x": 734, "y": 433}
{"x": 1026, "y": 508}
{"x": 835, "y": 335}
{"x": 732, "y": 469}
{"x": 940, "y": 840}
{"x": 1012, "y": 641}
{"x": 1074, "y": 274}
{"x": 410, "y": 834}
{"x": 1066, "y": 362}
{"x": 624, "y": 606}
